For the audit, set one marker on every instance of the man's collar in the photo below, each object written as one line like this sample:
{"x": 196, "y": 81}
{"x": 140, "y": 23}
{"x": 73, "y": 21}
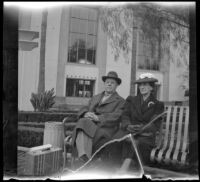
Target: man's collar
{"x": 108, "y": 94}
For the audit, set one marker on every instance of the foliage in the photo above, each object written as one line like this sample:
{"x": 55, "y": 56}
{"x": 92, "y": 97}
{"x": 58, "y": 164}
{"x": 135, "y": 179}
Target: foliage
{"x": 152, "y": 21}
{"x": 185, "y": 80}
{"x": 43, "y": 101}
{"x": 44, "y": 116}
{"x": 156, "y": 24}
{"x": 27, "y": 138}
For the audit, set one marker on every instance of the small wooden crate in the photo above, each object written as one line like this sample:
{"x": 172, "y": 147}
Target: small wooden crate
{"x": 39, "y": 161}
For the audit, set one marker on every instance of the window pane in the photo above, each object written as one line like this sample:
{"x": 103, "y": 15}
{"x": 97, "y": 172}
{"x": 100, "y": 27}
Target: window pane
{"x": 92, "y": 28}
{"x": 91, "y": 56}
{"x": 147, "y": 63}
{"x": 81, "y": 82}
{"x": 154, "y": 65}
{"x": 148, "y": 56}
{"x": 75, "y": 12}
{"x": 83, "y": 13}
{"x": 69, "y": 87}
{"x": 73, "y": 40}
{"x": 83, "y": 26}
{"x": 92, "y": 14}
{"x": 75, "y": 25}
{"x": 82, "y": 41}
{"x": 72, "y": 55}
{"x": 81, "y": 56}
{"x": 91, "y": 42}
{"x": 79, "y": 88}
{"x": 76, "y": 88}
{"x": 141, "y": 62}
{"x": 88, "y": 88}
{"x": 78, "y": 25}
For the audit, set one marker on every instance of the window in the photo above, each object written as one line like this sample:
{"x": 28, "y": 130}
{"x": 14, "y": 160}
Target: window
{"x": 79, "y": 88}
{"x": 148, "y": 54}
{"x": 82, "y": 35}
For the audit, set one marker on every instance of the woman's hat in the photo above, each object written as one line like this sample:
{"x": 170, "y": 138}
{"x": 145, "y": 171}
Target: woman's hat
{"x": 146, "y": 78}
{"x": 113, "y": 75}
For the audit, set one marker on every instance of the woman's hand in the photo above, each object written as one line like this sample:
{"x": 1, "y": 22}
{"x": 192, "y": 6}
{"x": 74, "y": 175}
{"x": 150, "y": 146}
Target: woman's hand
{"x": 88, "y": 115}
{"x": 134, "y": 128}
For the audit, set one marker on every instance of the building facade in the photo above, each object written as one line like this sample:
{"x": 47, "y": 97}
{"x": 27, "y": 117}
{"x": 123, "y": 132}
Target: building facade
{"x": 78, "y": 53}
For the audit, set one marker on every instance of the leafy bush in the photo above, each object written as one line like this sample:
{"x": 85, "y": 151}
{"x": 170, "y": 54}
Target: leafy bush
{"x": 43, "y": 101}
{"x": 28, "y": 138}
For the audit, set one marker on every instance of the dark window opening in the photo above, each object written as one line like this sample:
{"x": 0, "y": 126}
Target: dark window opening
{"x": 79, "y": 88}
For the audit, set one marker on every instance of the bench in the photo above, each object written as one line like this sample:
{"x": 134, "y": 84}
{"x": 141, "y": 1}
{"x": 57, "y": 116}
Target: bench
{"x": 172, "y": 141}
{"x": 172, "y": 147}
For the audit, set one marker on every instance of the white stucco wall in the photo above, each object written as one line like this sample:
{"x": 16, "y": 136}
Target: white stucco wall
{"x": 52, "y": 47}
{"x": 176, "y": 92}
{"x": 28, "y": 66}
{"x": 27, "y": 78}
{"x": 29, "y": 60}
{"x": 179, "y": 63}
{"x": 123, "y": 69}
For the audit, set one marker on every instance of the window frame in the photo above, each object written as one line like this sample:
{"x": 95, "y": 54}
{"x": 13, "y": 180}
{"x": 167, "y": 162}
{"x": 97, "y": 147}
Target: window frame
{"x": 94, "y": 56}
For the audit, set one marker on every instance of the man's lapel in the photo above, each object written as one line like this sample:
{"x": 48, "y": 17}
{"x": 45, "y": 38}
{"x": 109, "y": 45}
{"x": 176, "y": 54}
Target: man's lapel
{"x": 96, "y": 100}
{"x": 112, "y": 98}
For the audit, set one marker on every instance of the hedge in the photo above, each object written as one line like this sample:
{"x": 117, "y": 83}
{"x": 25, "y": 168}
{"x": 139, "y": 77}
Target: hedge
{"x": 30, "y": 138}
{"x": 43, "y": 116}
{"x": 30, "y": 134}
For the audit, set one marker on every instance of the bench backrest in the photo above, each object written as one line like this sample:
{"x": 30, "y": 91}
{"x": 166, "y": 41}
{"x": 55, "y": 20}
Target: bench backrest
{"x": 173, "y": 139}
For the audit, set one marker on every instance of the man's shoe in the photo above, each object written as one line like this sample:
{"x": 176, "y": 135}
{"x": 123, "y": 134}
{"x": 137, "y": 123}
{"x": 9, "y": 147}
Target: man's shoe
{"x": 84, "y": 158}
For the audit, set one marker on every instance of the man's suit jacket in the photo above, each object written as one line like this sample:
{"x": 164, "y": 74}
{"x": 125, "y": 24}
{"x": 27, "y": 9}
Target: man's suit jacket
{"x": 109, "y": 113}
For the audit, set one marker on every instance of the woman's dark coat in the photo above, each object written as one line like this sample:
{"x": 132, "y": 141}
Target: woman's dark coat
{"x": 108, "y": 112}
{"x": 137, "y": 111}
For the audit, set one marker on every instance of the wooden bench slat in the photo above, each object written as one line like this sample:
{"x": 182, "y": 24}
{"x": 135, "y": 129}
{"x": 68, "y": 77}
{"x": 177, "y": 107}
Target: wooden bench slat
{"x": 185, "y": 137}
{"x": 178, "y": 144}
{"x": 172, "y": 136}
{"x": 161, "y": 151}
{"x": 172, "y": 148}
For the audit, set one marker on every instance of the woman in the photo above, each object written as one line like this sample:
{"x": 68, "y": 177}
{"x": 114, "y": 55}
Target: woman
{"x": 138, "y": 111}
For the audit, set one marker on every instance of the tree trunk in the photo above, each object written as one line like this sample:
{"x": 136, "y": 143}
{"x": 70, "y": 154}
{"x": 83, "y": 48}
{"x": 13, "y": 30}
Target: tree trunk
{"x": 41, "y": 83}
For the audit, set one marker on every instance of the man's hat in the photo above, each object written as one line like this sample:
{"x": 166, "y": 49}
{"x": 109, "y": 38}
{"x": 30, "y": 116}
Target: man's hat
{"x": 113, "y": 75}
{"x": 146, "y": 78}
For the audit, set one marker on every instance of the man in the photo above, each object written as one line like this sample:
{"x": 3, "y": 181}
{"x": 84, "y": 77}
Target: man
{"x": 99, "y": 121}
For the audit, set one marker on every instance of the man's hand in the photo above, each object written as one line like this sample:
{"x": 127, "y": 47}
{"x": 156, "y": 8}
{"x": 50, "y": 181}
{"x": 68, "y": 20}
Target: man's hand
{"x": 134, "y": 128}
{"x": 91, "y": 116}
